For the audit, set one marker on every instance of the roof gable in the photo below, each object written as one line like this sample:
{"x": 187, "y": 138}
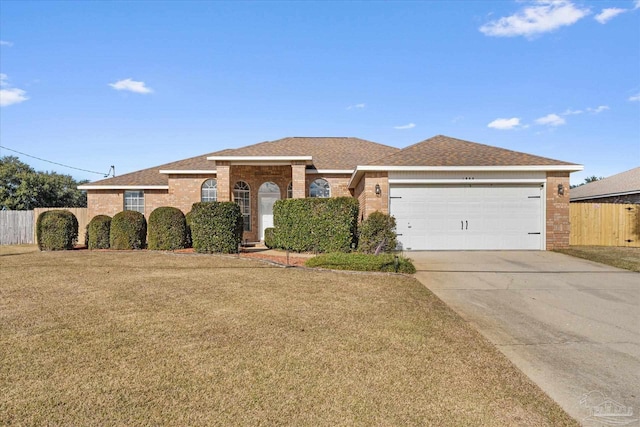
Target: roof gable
{"x": 442, "y": 151}
{"x": 622, "y": 183}
{"x": 337, "y": 153}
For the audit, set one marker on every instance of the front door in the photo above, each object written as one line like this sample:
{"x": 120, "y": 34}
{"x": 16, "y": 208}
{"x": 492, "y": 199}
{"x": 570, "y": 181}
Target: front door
{"x": 268, "y": 194}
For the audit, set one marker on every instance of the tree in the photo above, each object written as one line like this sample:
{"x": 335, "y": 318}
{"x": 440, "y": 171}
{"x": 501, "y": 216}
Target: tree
{"x": 587, "y": 180}
{"x": 22, "y": 188}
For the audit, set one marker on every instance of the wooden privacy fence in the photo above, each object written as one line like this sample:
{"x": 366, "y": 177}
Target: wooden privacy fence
{"x": 19, "y": 227}
{"x": 605, "y": 224}
{"x": 16, "y": 227}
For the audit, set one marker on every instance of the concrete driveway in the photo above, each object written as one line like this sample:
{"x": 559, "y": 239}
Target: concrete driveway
{"x": 572, "y": 326}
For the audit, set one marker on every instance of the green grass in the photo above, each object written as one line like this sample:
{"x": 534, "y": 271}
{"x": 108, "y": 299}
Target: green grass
{"x": 621, "y": 257}
{"x": 362, "y": 262}
{"x": 155, "y": 338}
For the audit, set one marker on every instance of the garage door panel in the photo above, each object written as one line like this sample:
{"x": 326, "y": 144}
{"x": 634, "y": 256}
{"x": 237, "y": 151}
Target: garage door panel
{"x": 468, "y": 217}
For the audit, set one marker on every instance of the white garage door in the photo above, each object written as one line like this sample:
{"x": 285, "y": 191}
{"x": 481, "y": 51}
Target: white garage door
{"x": 472, "y": 217}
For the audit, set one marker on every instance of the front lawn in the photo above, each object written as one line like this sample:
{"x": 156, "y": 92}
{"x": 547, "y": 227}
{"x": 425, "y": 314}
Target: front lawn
{"x": 147, "y": 338}
{"x": 621, "y": 257}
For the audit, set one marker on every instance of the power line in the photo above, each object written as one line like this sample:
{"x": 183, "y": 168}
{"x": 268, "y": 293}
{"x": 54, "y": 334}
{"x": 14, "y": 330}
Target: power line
{"x": 56, "y": 163}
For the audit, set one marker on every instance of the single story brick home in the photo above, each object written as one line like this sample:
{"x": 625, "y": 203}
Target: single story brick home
{"x": 445, "y": 193}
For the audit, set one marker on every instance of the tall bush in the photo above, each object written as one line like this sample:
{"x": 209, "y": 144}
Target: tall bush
{"x": 377, "y": 230}
{"x": 216, "y": 227}
{"x": 314, "y": 224}
{"x": 56, "y": 230}
{"x": 167, "y": 229}
{"x": 98, "y": 232}
{"x": 128, "y": 231}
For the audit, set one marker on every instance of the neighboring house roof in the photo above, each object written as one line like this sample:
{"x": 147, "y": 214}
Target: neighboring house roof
{"x": 617, "y": 185}
{"x": 328, "y": 153}
{"x": 446, "y": 151}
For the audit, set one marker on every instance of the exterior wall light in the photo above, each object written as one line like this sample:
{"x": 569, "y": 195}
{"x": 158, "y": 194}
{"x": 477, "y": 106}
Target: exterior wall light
{"x": 378, "y": 190}
{"x": 560, "y": 190}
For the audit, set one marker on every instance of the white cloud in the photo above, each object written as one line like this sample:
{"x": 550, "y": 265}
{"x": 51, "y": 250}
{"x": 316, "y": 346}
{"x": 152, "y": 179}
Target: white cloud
{"x": 505, "y": 124}
{"x": 6, "y": 43}
{"x": 541, "y": 17}
{"x": 634, "y": 98}
{"x": 10, "y": 95}
{"x": 456, "y": 119}
{"x": 356, "y": 106}
{"x": 551, "y": 120}
{"x": 131, "y": 86}
{"x": 637, "y": 5}
{"x": 409, "y": 126}
{"x": 570, "y": 112}
{"x": 597, "y": 110}
{"x": 607, "y": 14}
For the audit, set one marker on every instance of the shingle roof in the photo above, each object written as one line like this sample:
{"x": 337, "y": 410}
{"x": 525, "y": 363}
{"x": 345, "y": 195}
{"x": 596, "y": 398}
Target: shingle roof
{"x": 622, "y": 183}
{"x": 327, "y": 153}
{"x": 152, "y": 176}
{"x": 446, "y": 151}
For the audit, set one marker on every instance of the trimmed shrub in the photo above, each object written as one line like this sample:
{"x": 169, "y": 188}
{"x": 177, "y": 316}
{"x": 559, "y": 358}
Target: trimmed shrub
{"x": 167, "y": 229}
{"x": 315, "y": 224}
{"x": 363, "y": 262}
{"x": 269, "y": 236}
{"x": 377, "y": 230}
{"x": 56, "y": 230}
{"x": 128, "y": 231}
{"x": 216, "y": 227}
{"x": 98, "y": 232}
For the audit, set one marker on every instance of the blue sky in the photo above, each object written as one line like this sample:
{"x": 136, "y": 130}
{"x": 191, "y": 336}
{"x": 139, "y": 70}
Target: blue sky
{"x": 138, "y": 84}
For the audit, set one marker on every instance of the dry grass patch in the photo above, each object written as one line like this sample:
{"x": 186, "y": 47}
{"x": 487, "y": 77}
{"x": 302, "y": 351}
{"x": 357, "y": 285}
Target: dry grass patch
{"x": 147, "y": 338}
{"x": 621, "y": 257}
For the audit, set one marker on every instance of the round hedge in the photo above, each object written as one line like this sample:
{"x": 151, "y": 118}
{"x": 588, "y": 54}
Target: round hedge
{"x": 167, "y": 229}
{"x": 128, "y": 231}
{"x": 56, "y": 230}
{"x": 269, "y": 237}
{"x": 377, "y": 230}
{"x": 98, "y": 232}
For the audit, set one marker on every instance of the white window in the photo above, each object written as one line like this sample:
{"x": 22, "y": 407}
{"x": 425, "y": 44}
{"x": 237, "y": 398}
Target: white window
{"x": 290, "y": 191}
{"x": 241, "y": 197}
{"x": 320, "y": 188}
{"x": 210, "y": 191}
{"x": 134, "y": 201}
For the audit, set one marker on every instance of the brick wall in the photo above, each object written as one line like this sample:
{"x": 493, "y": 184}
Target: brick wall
{"x": 366, "y": 193}
{"x": 558, "y": 224}
{"x": 104, "y": 202}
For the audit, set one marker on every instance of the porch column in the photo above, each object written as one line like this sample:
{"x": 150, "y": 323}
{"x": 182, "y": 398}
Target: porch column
{"x": 299, "y": 179}
{"x": 223, "y": 176}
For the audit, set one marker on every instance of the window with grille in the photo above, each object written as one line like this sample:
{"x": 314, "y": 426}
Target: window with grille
{"x": 134, "y": 201}
{"x": 209, "y": 191}
{"x": 320, "y": 188}
{"x": 242, "y": 197}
